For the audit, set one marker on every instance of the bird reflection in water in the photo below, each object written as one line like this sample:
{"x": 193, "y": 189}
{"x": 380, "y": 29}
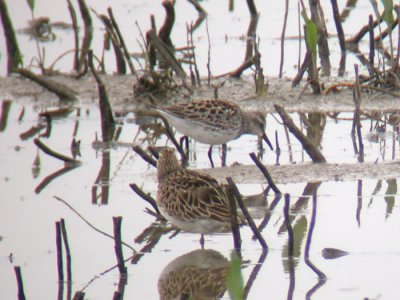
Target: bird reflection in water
{"x": 200, "y": 274}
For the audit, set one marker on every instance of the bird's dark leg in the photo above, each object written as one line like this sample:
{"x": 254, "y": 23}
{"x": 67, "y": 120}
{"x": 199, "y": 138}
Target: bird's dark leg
{"x": 202, "y": 241}
{"x": 224, "y": 152}
{"x": 210, "y": 156}
{"x": 182, "y": 140}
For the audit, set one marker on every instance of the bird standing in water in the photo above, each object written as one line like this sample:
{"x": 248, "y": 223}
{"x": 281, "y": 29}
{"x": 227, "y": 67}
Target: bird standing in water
{"x": 214, "y": 122}
{"x": 190, "y": 201}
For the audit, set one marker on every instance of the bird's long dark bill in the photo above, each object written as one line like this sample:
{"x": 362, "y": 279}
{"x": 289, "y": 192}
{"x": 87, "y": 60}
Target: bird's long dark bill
{"x": 266, "y": 139}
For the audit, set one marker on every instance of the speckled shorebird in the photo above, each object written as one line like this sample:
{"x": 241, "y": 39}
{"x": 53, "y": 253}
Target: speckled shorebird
{"x": 190, "y": 201}
{"x": 214, "y": 122}
{"x": 198, "y": 275}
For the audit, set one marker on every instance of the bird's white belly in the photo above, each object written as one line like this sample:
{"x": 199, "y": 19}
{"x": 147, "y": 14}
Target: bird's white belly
{"x": 200, "y": 132}
{"x": 204, "y": 226}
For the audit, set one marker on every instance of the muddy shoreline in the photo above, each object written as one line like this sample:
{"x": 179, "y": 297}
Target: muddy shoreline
{"x": 280, "y": 91}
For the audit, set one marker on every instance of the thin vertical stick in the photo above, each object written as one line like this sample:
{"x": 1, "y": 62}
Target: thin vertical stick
{"x": 59, "y": 252}
{"x": 246, "y": 213}
{"x": 371, "y": 44}
{"x": 68, "y": 256}
{"x": 20, "y": 283}
{"x": 359, "y": 202}
{"x": 290, "y": 247}
{"x": 237, "y": 241}
{"x": 307, "y": 260}
{"x": 265, "y": 172}
{"x": 209, "y": 55}
{"x": 357, "y": 114}
{"x": 283, "y": 38}
{"x": 288, "y": 225}
{"x": 122, "y": 42}
{"x": 117, "y": 221}
{"x": 75, "y": 26}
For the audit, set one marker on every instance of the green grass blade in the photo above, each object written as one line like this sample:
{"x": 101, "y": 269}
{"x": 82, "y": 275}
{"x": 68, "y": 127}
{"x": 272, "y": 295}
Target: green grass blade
{"x": 235, "y": 278}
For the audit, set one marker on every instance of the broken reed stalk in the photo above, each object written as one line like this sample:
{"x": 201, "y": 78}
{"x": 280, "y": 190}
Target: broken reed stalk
{"x": 122, "y": 42}
{"x": 165, "y": 52}
{"x": 307, "y": 260}
{"x": 237, "y": 241}
{"x": 309, "y": 147}
{"x": 5, "y": 110}
{"x": 265, "y": 172}
{"x": 302, "y": 68}
{"x": 64, "y": 92}
{"x": 107, "y": 119}
{"x": 196, "y": 69}
{"x": 31, "y": 132}
{"x": 143, "y": 154}
{"x": 254, "y": 273}
{"x": 317, "y": 16}
{"x": 67, "y": 249}
{"x": 14, "y": 57}
{"x": 246, "y": 213}
{"x": 79, "y": 295}
{"x": 151, "y": 50}
{"x": 89, "y": 224}
{"x": 288, "y": 225}
{"x": 251, "y": 31}
{"x": 46, "y": 181}
{"x": 20, "y": 282}
{"x": 208, "y": 56}
{"x": 371, "y": 55}
{"x": 278, "y": 148}
{"x": 146, "y": 197}
{"x": 154, "y": 151}
{"x": 87, "y": 36}
{"x": 75, "y": 26}
{"x": 119, "y": 56}
{"x": 59, "y": 253}
{"x": 165, "y": 31}
{"x": 54, "y": 154}
{"x": 267, "y": 216}
{"x": 283, "y": 38}
{"x": 171, "y": 136}
{"x": 238, "y": 72}
{"x": 340, "y": 32}
{"x": 357, "y": 114}
{"x": 117, "y": 221}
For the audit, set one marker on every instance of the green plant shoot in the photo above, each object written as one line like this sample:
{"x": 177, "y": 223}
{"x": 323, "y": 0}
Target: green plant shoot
{"x": 235, "y": 278}
{"x": 31, "y": 4}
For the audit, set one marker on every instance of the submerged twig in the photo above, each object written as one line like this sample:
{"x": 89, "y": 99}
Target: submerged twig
{"x": 122, "y": 41}
{"x": 54, "y": 154}
{"x": 145, "y": 156}
{"x": 62, "y": 91}
{"x": 265, "y": 172}
{"x": 20, "y": 282}
{"x": 14, "y": 59}
{"x": 147, "y": 198}
{"x": 117, "y": 221}
{"x": 320, "y": 274}
{"x": 309, "y": 147}
{"x": 246, "y": 213}
{"x": 107, "y": 119}
{"x": 237, "y": 241}
{"x": 89, "y": 224}
{"x": 87, "y": 35}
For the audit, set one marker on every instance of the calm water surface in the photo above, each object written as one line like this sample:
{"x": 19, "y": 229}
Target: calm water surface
{"x": 360, "y": 217}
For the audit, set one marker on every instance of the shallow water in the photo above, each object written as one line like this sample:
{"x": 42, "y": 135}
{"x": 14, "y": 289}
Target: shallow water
{"x": 357, "y": 216}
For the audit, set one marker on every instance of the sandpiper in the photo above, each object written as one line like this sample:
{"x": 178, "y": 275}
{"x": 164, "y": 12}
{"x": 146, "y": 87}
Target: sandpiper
{"x": 214, "y": 122}
{"x": 190, "y": 201}
{"x": 200, "y": 274}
